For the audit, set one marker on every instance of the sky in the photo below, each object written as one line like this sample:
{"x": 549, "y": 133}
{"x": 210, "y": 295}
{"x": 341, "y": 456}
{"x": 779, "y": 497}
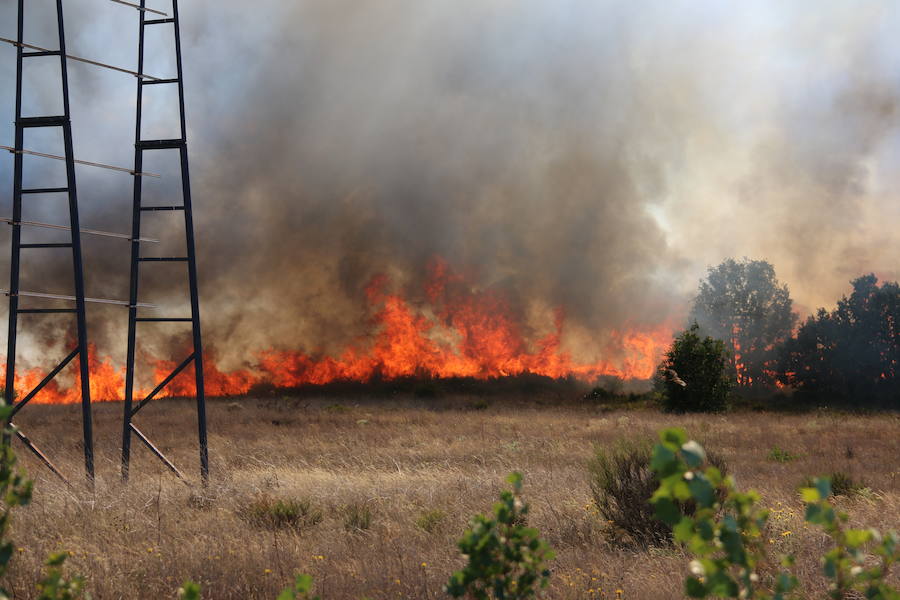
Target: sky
{"x": 592, "y": 155}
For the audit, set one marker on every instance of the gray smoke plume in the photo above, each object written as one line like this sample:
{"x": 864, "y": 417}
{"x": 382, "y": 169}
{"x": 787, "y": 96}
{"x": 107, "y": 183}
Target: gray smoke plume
{"x": 595, "y": 156}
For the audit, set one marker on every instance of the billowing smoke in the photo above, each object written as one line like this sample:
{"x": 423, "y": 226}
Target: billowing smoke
{"x": 594, "y": 156}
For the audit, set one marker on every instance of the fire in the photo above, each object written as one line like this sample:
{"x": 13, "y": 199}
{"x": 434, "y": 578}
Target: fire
{"x": 107, "y": 381}
{"x": 489, "y": 342}
{"x": 462, "y": 332}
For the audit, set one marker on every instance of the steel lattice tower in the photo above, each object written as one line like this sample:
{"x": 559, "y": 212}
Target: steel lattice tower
{"x": 196, "y": 355}
{"x": 22, "y": 123}
{"x": 26, "y": 50}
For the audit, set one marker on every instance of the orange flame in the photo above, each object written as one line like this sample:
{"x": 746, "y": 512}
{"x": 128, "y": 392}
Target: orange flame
{"x": 488, "y": 343}
{"x": 107, "y": 382}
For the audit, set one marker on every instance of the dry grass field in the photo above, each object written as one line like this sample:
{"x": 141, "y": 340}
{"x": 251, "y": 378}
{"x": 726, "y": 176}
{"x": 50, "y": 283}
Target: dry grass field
{"x": 418, "y": 469}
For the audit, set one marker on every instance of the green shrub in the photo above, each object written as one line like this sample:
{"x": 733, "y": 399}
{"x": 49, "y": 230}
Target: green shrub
{"x": 781, "y": 455}
{"x": 267, "y": 512}
{"x": 427, "y": 389}
{"x": 622, "y": 484}
{"x": 301, "y": 589}
{"x": 841, "y": 484}
{"x": 694, "y": 374}
{"x": 600, "y": 395}
{"x": 505, "y": 559}
{"x": 725, "y": 534}
{"x": 479, "y": 404}
{"x": 431, "y": 521}
{"x": 189, "y": 591}
{"x": 357, "y": 517}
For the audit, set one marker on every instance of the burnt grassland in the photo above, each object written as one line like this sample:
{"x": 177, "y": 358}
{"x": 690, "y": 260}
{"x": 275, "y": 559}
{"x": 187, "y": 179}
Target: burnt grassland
{"x": 370, "y": 495}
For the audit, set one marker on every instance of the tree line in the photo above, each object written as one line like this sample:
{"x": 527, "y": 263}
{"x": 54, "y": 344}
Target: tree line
{"x": 744, "y": 338}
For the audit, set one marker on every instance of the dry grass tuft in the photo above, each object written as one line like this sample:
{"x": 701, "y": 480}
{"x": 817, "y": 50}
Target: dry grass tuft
{"x": 267, "y": 512}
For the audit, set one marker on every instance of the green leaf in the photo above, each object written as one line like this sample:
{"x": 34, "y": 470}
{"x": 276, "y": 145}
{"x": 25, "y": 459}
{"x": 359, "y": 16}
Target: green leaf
{"x": 663, "y": 461}
{"x": 303, "y": 583}
{"x": 705, "y": 528}
{"x": 693, "y": 453}
{"x": 734, "y": 546}
{"x": 714, "y": 475}
{"x": 702, "y": 491}
{"x": 823, "y": 484}
{"x": 667, "y": 511}
{"x": 674, "y": 437}
{"x": 813, "y": 514}
{"x": 680, "y": 489}
{"x": 684, "y": 530}
{"x": 191, "y": 591}
{"x": 810, "y": 494}
{"x": 515, "y": 479}
{"x": 694, "y": 588}
{"x": 722, "y": 585}
{"x": 857, "y": 537}
{"x": 830, "y": 566}
{"x": 56, "y": 559}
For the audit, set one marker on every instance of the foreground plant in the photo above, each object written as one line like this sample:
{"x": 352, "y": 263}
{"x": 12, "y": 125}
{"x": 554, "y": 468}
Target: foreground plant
{"x": 725, "y": 533}
{"x": 506, "y": 559}
{"x": 55, "y": 586}
{"x": 846, "y": 563}
{"x": 189, "y": 591}
{"x": 301, "y": 589}
{"x": 15, "y": 490}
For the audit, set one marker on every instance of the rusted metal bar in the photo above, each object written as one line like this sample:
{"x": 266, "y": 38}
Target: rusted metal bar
{"x": 156, "y": 451}
{"x": 62, "y": 365}
{"x": 79, "y": 59}
{"x": 163, "y": 384}
{"x": 80, "y": 162}
{"x": 123, "y": 236}
{"x": 72, "y": 298}
{"x": 140, "y": 8}
{"x": 37, "y": 452}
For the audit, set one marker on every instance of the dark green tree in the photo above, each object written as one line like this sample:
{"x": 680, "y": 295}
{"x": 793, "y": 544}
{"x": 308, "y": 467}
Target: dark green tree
{"x": 695, "y": 374}
{"x": 744, "y": 304}
{"x": 851, "y": 353}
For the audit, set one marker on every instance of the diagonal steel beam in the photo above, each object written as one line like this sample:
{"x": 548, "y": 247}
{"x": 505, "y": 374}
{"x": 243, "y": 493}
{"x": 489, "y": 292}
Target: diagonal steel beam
{"x": 157, "y": 452}
{"x": 163, "y": 384}
{"x": 62, "y": 365}
{"x": 37, "y": 452}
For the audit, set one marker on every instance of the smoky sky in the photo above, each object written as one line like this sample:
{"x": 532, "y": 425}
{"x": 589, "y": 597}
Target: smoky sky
{"x": 595, "y": 156}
